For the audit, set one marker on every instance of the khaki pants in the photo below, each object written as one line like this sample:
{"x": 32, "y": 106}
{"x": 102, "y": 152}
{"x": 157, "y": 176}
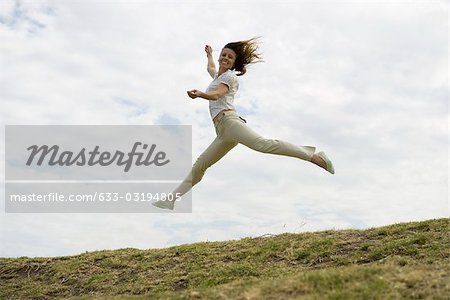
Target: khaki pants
{"x": 232, "y": 130}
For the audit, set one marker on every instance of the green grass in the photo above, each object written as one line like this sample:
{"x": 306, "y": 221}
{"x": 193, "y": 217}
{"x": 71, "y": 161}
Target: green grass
{"x": 401, "y": 261}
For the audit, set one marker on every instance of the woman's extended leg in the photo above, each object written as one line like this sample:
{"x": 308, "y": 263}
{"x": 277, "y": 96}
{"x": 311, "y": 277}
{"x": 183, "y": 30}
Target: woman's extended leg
{"x": 215, "y": 151}
{"x": 237, "y": 131}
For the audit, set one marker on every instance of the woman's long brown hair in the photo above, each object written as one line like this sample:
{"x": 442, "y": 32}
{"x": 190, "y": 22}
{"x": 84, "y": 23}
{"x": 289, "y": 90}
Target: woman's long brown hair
{"x": 246, "y": 53}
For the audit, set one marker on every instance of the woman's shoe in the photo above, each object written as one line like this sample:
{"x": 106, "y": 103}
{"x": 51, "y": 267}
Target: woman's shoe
{"x": 329, "y": 167}
{"x": 164, "y": 204}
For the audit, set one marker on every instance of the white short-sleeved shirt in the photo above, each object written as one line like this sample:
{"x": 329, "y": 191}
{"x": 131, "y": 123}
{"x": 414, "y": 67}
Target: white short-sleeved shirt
{"x": 225, "y": 102}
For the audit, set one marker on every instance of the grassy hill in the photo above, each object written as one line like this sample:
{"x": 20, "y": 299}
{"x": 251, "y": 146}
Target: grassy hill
{"x": 401, "y": 261}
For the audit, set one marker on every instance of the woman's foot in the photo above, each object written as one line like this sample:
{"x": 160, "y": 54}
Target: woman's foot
{"x": 164, "y": 204}
{"x": 323, "y": 161}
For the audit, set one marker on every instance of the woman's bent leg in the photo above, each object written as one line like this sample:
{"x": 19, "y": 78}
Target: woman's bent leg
{"x": 215, "y": 151}
{"x": 237, "y": 131}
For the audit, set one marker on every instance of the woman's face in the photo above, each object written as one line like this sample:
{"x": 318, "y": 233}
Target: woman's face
{"x": 227, "y": 58}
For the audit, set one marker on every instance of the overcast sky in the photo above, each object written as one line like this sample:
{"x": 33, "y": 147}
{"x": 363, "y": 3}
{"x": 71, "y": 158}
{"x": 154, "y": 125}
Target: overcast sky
{"x": 364, "y": 81}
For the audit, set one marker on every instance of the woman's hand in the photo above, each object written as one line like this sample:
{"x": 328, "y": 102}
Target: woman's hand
{"x": 208, "y": 50}
{"x": 194, "y": 93}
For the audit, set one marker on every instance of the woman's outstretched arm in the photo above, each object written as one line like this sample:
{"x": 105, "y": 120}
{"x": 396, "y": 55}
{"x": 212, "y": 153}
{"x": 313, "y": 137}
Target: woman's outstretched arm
{"x": 211, "y": 66}
{"x": 221, "y": 90}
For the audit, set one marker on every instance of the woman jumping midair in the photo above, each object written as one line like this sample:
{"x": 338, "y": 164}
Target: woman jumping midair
{"x": 230, "y": 128}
